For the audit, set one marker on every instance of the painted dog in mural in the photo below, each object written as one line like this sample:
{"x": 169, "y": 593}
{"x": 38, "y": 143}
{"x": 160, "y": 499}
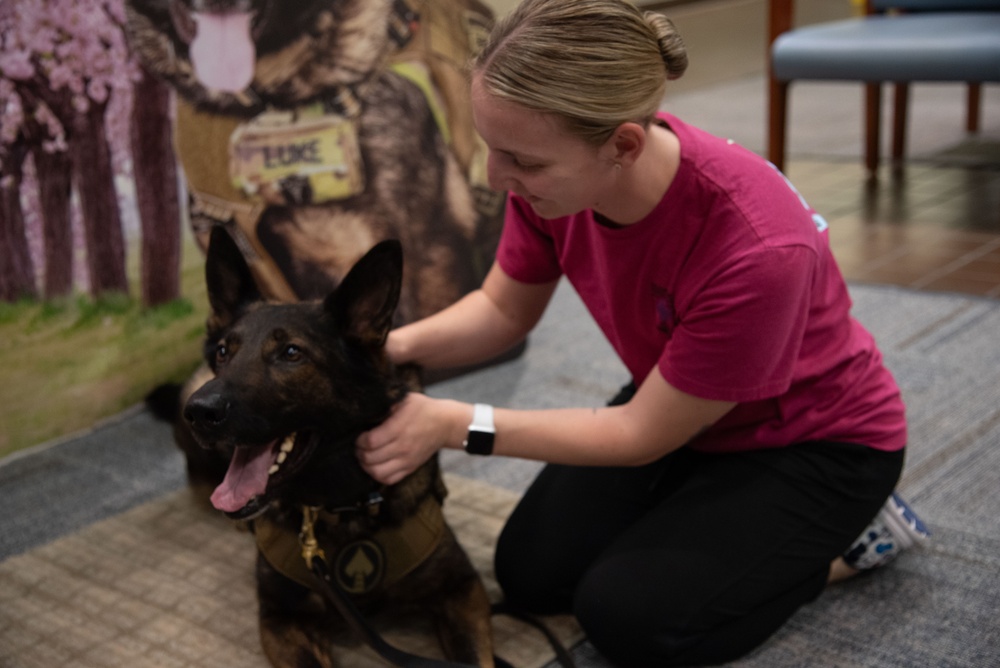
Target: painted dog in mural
{"x": 313, "y": 130}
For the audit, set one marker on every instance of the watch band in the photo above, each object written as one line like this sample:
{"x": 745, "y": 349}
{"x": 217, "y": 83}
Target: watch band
{"x": 479, "y": 440}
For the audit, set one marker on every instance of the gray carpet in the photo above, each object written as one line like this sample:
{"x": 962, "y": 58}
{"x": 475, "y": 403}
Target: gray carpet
{"x": 935, "y": 606}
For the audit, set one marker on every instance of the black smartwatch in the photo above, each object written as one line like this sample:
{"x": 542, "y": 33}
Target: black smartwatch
{"x": 479, "y": 440}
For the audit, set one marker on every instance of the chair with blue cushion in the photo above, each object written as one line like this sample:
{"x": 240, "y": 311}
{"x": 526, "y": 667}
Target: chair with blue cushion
{"x": 897, "y": 41}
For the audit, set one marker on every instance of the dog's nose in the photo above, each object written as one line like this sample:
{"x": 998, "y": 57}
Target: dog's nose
{"x": 209, "y": 410}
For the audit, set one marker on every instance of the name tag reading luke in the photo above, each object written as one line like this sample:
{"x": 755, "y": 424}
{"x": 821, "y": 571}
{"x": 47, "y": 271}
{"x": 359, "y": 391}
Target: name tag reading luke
{"x": 308, "y": 159}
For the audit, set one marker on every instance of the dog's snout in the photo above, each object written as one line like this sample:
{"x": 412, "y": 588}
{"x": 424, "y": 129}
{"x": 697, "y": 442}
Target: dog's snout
{"x": 210, "y": 410}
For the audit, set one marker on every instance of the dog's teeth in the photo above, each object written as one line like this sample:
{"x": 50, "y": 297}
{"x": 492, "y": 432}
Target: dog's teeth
{"x": 274, "y": 469}
{"x": 282, "y": 456}
{"x": 288, "y": 444}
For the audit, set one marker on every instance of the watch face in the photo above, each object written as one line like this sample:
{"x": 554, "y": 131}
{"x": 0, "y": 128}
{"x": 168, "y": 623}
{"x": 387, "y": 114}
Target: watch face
{"x": 479, "y": 443}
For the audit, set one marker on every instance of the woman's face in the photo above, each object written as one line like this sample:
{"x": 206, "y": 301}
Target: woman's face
{"x": 531, "y": 155}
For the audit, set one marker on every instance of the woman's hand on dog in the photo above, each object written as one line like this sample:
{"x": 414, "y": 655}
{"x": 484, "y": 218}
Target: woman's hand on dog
{"x": 417, "y": 428}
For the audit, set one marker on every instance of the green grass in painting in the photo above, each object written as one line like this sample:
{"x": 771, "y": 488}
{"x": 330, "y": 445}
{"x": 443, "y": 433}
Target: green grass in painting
{"x": 71, "y": 362}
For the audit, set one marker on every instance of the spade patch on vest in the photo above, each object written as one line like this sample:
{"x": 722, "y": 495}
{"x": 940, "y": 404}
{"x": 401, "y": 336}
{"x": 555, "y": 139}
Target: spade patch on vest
{"x": 360, "y": 567}
{"x": 302, "y": 157}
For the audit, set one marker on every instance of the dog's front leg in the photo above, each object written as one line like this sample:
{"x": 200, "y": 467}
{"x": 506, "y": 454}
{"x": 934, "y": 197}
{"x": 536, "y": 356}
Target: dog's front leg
{"x": 463, "y": 624}
{"x": 294, "y": 631}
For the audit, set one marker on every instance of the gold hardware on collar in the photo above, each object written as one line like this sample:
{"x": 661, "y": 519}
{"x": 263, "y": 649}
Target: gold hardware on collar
{"x": 307, "y": 536}
{"x": 405, "y": 546}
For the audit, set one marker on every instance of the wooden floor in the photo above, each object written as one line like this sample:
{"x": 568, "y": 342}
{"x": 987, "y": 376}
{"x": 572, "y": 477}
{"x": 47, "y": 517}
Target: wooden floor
{"x": 931, "y": 227}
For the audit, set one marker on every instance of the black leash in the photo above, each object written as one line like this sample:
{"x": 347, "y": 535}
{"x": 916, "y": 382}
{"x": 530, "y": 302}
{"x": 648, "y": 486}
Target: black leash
{"x": 314, "y": 556}
{"x": 562, "y": 654}
{"x": 364, "y": 630}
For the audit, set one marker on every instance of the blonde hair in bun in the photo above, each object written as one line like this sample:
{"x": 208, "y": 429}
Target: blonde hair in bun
{"x": 594, "y": 63}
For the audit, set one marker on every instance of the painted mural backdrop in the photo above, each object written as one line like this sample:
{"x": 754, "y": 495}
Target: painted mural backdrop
{"x": 309, "y": 131}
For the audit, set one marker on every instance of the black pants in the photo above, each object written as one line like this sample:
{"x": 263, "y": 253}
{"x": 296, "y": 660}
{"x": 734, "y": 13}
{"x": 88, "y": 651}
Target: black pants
{"x": 694, "y": 559}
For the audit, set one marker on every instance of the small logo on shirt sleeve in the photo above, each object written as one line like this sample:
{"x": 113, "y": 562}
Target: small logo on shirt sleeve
{"x": 663, "y": 310}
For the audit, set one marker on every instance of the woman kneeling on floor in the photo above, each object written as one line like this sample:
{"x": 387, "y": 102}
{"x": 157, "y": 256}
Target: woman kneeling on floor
{"x": 720, "y": 491}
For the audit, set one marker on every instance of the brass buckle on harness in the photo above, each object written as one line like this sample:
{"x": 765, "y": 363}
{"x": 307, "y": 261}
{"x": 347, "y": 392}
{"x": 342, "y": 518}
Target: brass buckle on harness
{"x": 307, "y": 535}
{"x": 310, "y": 514}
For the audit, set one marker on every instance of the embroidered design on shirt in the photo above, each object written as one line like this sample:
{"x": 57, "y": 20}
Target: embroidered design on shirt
{"x": 663, "y": 307}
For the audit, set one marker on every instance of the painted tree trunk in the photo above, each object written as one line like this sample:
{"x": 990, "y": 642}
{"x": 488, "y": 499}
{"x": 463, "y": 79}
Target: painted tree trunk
{"x": 53, "y": 172}
{"x": 156, "y": 190}
{"x": 93, "y": 174}
{"x": 17, "y": 271}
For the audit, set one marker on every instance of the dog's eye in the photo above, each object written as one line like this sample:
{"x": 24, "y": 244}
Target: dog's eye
{"x": 221, "y": 353}
{"x": 292, "y": 353}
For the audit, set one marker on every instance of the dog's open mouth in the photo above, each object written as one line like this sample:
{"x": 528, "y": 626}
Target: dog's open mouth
{"x": 254, "y": 470}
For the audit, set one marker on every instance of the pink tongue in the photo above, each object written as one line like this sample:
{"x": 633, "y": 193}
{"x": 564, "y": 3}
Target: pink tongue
{"x": 246, "y": 478}
{"x": 223, "y": 52}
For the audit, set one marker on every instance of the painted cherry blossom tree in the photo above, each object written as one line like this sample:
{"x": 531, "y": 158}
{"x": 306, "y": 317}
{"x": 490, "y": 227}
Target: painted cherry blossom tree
{"x": 46, "y": 189}
{"x": 67, "y": 79}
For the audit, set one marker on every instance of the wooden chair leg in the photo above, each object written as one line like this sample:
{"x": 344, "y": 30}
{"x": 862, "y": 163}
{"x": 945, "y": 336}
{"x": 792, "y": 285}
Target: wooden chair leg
{"x": 974, "y": 108}
{"x": 777, "y": 119}
{"x": 873, "y": 122}
{"x": 900, "y": 106}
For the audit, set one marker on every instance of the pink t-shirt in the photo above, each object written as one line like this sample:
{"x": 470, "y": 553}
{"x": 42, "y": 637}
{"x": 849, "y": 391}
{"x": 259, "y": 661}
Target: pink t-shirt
{"x": 729, "y": 288}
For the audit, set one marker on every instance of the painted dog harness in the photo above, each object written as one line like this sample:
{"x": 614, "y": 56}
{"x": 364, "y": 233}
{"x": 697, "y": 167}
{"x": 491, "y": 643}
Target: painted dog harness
{"x": 235, "y": 168}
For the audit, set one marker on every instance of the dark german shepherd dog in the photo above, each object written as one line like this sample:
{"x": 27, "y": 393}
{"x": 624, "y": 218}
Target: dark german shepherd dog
{"x": 293, "y": 387}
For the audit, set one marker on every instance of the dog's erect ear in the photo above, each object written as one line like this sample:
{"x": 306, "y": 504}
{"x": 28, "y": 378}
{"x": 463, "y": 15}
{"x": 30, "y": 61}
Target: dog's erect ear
{"x": 230, "y": 284}
{"x": 365, "y": 301}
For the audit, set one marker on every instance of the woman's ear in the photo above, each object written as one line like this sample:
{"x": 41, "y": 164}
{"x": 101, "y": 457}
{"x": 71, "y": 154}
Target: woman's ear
{"x": 627, "y": 143}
